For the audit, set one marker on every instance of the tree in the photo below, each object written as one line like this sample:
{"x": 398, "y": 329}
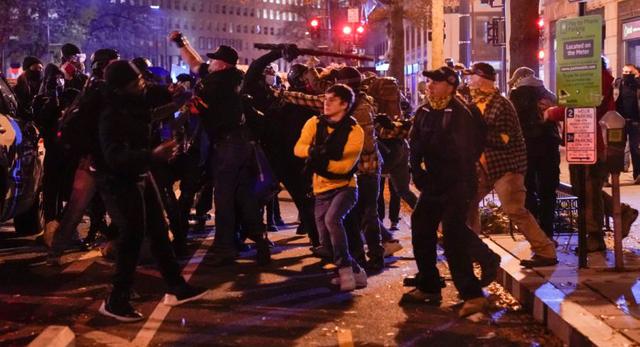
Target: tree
{"x": 419, "y": 13}
{"x": 524, "y": 37}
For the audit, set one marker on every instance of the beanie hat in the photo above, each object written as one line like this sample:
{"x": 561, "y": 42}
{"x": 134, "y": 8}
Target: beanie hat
{"x": 69, "y": 49}
{"x": 30, "y": 61}
{"x": 120, "y": 73}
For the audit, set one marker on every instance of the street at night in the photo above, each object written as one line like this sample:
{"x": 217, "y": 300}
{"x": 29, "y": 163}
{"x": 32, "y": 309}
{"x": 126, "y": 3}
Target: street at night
{"x": 320, "y": 173}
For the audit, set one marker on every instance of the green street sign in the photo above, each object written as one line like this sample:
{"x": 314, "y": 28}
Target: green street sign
{"x": 578, "y": 64}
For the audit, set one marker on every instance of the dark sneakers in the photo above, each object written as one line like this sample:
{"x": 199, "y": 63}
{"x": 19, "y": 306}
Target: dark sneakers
{"x": 120, "y": 309}
{"x": 489, "y": 269}
{"x": 184, "y": 294}
{"x": 417, "y": 296}
{"x": 538, "y": 261}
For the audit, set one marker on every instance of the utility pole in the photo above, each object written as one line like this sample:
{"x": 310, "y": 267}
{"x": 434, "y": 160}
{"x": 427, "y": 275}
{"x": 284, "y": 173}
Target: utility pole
{"x": 465, "y": 32}
{"x": 437, "y": 33}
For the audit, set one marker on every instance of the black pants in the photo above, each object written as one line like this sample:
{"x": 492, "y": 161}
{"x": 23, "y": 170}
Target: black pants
{"x": 136, "y": 210}
{"x": 56, "y": 182}
{"x": 234, "y": 197}
{"x": 394, "y": 202}
{"x": 289, "y": 169}
{"x": 450, "y": 210}
{"x": 396, "y": 164}
{"x": 542, "y": 180}
{"x": 363, "y": 219}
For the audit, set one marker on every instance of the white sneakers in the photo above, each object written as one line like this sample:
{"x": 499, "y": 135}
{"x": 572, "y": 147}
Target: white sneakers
{"x": 349, "y": 280}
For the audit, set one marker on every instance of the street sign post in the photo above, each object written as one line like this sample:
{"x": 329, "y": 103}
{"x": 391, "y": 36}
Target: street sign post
{"x": 579, "y": 84}
{"x": 580, "y": 136}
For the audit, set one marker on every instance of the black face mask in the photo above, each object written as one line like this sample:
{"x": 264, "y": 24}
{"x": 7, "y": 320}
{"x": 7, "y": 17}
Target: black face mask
{"x": 35, "y": 76}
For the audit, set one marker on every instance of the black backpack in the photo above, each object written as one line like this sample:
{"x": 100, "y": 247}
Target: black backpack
{"x": 77, "y": 128}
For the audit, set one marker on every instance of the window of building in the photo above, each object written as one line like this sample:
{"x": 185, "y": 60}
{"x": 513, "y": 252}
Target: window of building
{"x": 231, "y": 10}
{"x": 277, "y": 15}
{"x": 271, "y": 14}
{"x": 239, "y": 28}
{"x": 186, "y": 6}
{"x": 264, "y": 13}
{"x": 277, "y": 1}
{"x": 217, "y": 8}
{"x": 271, "y": 31}
{"x": 176, "y": 5}
{"x": 245, "y": 11}
{"x": 253, "y": 12}
{"x": 224, "y": 9}
{"x": 238, "y": 11}
{"x": 253, "y": 29}
{"x": 279, "y": 31}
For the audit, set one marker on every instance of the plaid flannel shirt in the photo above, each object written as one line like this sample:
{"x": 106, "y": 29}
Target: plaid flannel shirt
{"x": 363, "y": 112}
{"x": 505, "y": 149}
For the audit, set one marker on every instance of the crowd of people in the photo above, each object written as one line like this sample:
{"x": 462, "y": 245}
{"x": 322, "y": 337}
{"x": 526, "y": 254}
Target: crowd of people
{"x": 119, "y": 140}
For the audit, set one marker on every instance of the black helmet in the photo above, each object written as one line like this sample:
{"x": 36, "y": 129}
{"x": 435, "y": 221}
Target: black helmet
{"x": 120, "y": 73}
{"x": 350, "y": 76}
{"x": 103, "y": 56}
{"x": 69, "y": 49}
{"x": 295, "y": 77}
{"x": 143, "y": 64}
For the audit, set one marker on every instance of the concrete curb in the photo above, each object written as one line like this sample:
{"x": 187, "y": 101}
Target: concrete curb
{"x": 568, "y": 320}
{"x": 55, "y": 336}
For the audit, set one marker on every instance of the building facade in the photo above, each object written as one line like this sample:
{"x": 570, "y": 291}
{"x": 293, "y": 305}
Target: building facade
{"x": 239, "y": 24}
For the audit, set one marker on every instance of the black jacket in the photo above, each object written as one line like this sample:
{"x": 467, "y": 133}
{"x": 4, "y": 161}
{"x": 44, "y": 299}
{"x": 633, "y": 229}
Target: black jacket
{"x": 124, "y": 134}
{"x": 223, "y": 115}
{"x": 539, "y": 136}
{"x": 444, "y": 149}
{"x": 627, "y": 103}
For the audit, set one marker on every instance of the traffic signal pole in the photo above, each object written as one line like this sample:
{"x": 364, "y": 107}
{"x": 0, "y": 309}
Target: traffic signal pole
{"x": 465, "y": 32}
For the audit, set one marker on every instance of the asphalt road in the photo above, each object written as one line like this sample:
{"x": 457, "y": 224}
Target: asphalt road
{"x": 288, "y": 303}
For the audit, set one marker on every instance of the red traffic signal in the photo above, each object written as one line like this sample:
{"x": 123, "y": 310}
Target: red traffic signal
{"x": 541, "y": 54}
{"x": 540, "y": 23}
{"x": 360, "y": 29}
{"x": 314, "y": 23}
{"x": 347, "y": 30}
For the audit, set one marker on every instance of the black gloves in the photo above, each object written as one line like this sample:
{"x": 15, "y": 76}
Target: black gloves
{"x": 290, "y": 52}
{"x": 178, "y": 38}
{"x": 383, "y": 121}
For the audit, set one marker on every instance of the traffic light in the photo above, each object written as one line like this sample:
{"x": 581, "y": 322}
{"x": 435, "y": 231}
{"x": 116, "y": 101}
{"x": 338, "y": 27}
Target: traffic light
{"x": 540, "y": 23}
{"x": 347, "y": 30}
{"x": 314, "y": 27}
{"x": 541, "y": 54}
{"x": 360, "y": 29}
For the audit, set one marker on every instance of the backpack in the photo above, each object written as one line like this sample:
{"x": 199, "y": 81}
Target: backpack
{"x": 78, "y": 125}
{"x": 386, "y": 93}
{"x": 480, "y": 126}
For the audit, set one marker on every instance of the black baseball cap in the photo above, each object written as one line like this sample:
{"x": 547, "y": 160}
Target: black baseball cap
{"x": 483, "y": 70}
{"x": 443, "y": 74}
{"x": 226, "y": 54}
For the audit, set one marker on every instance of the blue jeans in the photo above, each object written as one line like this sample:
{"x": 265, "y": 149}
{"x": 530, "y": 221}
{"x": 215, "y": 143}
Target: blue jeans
{"x": 331, "y": 209}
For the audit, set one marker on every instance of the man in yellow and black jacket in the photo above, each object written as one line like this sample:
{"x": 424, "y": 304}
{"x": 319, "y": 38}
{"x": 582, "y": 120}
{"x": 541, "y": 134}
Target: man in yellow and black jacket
{"x": 331, "y": 144}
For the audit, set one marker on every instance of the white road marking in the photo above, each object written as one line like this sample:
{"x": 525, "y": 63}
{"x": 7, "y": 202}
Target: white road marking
{"x": 153, "y": 323}
{"x": 107, "y": 339}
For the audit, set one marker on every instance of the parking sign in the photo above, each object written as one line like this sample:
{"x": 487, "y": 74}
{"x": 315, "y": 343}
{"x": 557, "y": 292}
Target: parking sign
{"x": 580, "y": 135}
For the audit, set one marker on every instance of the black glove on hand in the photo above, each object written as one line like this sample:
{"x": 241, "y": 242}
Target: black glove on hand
{"x": 178, "y": 38}
{"x": 384, "y": 121}
{"x": 290, "y": 52}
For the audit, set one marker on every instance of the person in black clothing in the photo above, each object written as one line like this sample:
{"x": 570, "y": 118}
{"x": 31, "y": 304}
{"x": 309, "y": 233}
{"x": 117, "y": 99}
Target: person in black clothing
{"x": 282, "y": 126}
{"x": 80, "y": 149}
{"x": 130, "y": 193}
{"x": 530, "y": 98}
{"x": 445, "y": 145}
{"x": 223, "y": 119}
{"x": 627, "y": 105}
{"x": 28, "y": 86}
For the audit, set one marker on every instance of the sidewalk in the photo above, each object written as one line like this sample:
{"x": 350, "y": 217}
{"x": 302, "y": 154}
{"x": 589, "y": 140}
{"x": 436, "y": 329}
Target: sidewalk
{"x": 594, "y": 306}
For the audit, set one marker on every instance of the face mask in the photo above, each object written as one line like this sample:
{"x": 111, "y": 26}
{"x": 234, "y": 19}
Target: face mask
{"x": 34, "y": 75}
{"x": 271, "y": 80}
